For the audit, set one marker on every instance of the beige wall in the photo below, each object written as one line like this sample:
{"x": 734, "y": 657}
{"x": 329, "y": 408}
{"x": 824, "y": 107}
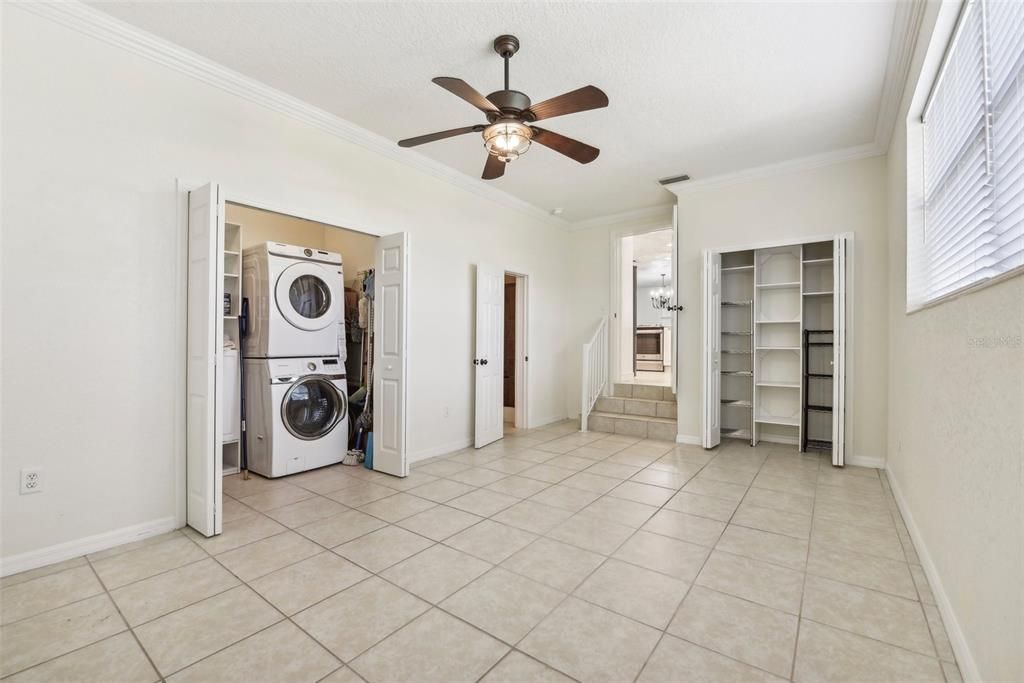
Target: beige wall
{"x": 796, "y": 206}
{"x": 90, "y": 191}
{"x": 956, "y": 444}
{"x": 356, "y": 248}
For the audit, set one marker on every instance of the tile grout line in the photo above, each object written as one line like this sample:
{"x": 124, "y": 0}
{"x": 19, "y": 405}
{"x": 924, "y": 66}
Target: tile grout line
{"x": 475, "y": 488}
{"x": 803, "y": 582}
{"x": 689, "y": 589}
{"x": 131, "y": 630}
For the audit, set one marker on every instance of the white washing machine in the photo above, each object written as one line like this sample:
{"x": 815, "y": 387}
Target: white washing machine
{"x": 296, "y": 414}
{"x": 296, "y": 301}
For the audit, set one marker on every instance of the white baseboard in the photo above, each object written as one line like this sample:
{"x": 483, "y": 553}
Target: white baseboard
{"x": 83, "y": 546}
{"x": 866, "y": 461}
{"x": 545, "y": 421}
{"x": 416, "y": 456}
{"x": 689, "y": 439}
{"x": 964, "y": 658}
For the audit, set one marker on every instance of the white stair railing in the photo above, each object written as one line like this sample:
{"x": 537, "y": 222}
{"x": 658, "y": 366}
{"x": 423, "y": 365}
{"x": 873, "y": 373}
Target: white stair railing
{"x": 595, "y": 370}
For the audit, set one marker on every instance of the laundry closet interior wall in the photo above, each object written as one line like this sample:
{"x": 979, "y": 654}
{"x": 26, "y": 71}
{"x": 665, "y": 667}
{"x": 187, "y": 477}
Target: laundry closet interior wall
{"x": 268, "y": 226}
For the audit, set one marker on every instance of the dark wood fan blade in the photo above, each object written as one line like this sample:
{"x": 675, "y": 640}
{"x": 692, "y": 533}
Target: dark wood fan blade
{"x": 574, "y": 149}
{"x": 584, "y": 99}
{"x": 412, "y": 142}
{"x": 464, "y": 90}
{"x": 494, "y": 168}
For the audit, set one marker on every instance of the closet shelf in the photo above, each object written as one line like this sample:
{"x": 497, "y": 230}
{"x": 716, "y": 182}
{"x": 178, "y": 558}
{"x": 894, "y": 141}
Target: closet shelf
{"x": 737, "y": 269}
{"x": 738, "y": 334}
{"x": 820, "y": 409}
{"x": 818, "y": 293}
{"x": 771, "y": 420}
{"x": 821, "y": 343}
{"x": 780, "y": 385}
{"x": 738, "y": 373}
{"x": 778, "y": 322}
{"x": 778, "y": 348}
{"x": 819, "y": 375}
{"x": 230, "y": 274}
{"x": 738, "y": 402}
{"x": 813, "y": 261}
{"x": 736, "y": 353}
{"x": 737, "y": 303}
{"x": 778, "y": 285}
{"x": 231, "y": 253}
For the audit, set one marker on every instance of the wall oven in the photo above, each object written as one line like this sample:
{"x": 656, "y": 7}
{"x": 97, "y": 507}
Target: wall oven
{"x": 650, "y": 348}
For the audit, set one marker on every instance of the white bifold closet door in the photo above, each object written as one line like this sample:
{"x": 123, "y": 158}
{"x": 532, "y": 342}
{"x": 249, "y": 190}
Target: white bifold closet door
{"x": 488, "y": 364}
{"x": 840, "y": 249}
{"x": 390, "y": 354}
{"x": 205, "y": 364}
{"x": 711, "y": 364}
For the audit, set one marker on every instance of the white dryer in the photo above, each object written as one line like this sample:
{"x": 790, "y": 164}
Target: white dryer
{"x": 297, "y": 414}
{"x": 296, "y": 301}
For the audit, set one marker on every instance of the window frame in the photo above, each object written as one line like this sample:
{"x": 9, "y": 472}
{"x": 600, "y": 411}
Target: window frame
{"x": 917, "y": 265}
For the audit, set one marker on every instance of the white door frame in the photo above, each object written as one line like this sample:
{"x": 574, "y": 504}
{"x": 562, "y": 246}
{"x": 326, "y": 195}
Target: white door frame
{"x": 849, "y": 329}
{"x": 235, "y": 196}
{"x": 615, "y": 290}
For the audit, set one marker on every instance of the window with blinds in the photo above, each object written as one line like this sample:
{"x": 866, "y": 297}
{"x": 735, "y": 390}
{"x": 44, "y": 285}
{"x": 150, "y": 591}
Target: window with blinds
{"x": 973, "y": 155}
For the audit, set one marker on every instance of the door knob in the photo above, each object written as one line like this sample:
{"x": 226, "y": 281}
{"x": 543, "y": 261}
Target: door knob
{"x": 476, "y": 361}
{"x": 483, "y": 362}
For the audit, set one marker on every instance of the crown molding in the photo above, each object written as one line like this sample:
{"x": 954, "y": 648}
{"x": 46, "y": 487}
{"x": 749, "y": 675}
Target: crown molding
{"x": 791, "y": 166}
{"x": 97, "y": 24}
{"x": 906, "y": 29}
{"x": 647, "y": 217}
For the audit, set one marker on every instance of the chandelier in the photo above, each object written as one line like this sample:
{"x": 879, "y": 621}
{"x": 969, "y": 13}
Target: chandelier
{"x": 661, "y": 298}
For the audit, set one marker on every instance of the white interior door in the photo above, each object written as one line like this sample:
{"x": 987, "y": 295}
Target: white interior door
{"x": 712, "y": 357}
{"x": 205, "y": 367}
{"x": 489, "y": 359}
{"x": 840, "y": 251}
{"x": 676, "y": 336}
{"x": 390, "y": 354}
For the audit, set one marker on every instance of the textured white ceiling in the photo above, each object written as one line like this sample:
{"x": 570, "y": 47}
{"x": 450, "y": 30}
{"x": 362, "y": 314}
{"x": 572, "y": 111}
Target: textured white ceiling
{"x": 652, "y": 253}
{"x": 701, "y": 88}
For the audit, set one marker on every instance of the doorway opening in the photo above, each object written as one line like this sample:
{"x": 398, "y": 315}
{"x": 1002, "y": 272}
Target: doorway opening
{"x": 513, "y": 356}
{"x": 500, "y": 362}
{"x": 646, "y": 308}
{"x": 287, "y": 351}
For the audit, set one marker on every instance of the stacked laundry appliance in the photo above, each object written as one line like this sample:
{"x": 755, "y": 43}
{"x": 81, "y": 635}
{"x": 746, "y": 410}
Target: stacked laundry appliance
{"x": 294, "y": 359}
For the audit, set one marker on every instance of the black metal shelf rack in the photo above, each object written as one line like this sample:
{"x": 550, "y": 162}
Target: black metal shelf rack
{"x": 813, "y": 339}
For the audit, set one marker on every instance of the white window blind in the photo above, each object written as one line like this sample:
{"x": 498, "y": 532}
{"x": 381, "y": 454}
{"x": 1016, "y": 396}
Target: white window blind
{"x": 973, "y": 124}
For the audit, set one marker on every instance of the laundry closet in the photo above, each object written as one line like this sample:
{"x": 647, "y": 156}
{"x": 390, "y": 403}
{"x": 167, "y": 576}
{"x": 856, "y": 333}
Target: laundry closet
{"x": 775, "y": 339}
{"x": 295, "y": 356}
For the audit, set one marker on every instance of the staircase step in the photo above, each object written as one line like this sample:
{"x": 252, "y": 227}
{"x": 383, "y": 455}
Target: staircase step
{"x": 644, "y": 391}
{"x": 641, "y": 407}
{"x": 659, "y": 428}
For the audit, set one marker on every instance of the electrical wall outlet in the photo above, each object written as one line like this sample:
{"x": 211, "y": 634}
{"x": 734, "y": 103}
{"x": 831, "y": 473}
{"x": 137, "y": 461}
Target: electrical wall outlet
{"x": 31, "y": 481}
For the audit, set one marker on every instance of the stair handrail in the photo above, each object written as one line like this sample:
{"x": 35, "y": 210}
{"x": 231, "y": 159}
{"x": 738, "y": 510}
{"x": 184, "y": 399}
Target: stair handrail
{"x": 594, "y": 376}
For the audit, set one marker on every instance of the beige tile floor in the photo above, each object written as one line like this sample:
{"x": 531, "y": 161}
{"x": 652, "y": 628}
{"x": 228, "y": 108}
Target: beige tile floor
{"x": 550, "y": 556}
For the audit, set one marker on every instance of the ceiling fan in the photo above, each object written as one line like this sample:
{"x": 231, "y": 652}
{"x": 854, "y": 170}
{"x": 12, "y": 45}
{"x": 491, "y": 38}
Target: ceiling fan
{"x": 510, "y": 117}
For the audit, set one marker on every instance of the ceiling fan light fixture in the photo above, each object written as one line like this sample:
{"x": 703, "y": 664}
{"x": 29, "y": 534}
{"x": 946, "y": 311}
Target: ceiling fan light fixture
{"x": 507, "y": 140}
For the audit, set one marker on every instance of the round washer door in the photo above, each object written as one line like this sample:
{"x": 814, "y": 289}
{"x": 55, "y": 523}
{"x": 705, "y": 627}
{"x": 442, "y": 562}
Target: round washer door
{"x": 305, "y": 298}
{"x": 312, "y": 407}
